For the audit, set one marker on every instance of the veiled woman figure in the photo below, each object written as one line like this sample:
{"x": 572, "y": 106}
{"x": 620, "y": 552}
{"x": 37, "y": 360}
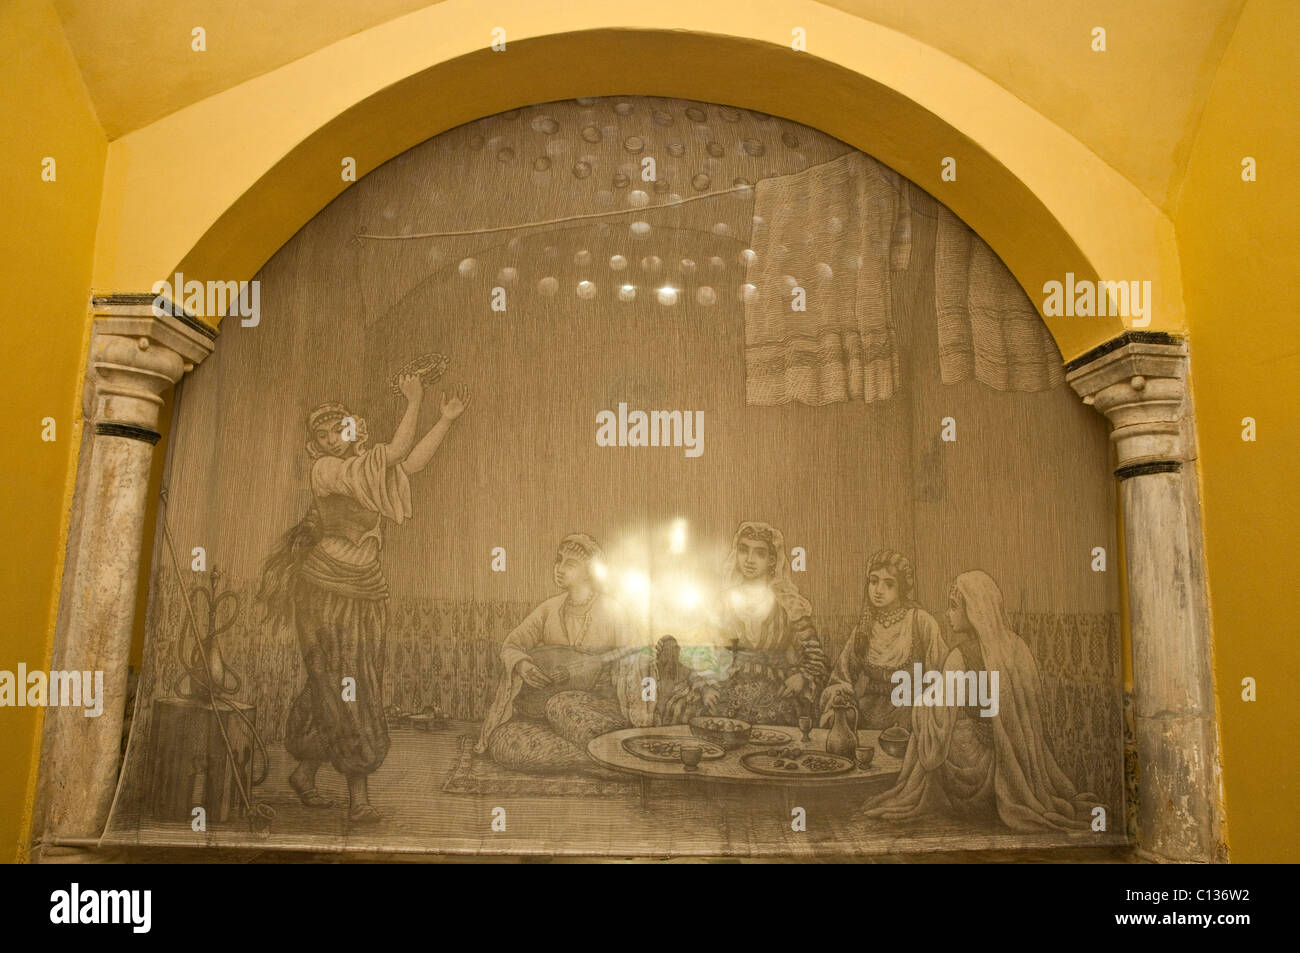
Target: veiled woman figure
{"x": 326, "y": 582}
{"x": 892, "y": 634}
{"x": 778, "y": 666}
{"x": 962, "y": 763}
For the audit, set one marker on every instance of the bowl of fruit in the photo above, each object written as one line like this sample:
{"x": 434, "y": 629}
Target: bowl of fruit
{"x": 727, "y": 732}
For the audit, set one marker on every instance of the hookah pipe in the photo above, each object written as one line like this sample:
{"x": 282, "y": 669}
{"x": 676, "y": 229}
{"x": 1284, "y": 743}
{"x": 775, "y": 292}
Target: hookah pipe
{"x": 206, "y": 668}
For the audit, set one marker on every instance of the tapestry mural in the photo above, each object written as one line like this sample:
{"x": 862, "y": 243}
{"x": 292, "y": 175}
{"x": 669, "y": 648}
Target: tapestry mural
{"x": 626, "y": 476}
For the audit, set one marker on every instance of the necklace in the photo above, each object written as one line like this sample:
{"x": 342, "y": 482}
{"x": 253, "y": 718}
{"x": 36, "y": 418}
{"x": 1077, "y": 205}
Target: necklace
{"x": 888, "y": 619}
{"x": 586, "y": 620}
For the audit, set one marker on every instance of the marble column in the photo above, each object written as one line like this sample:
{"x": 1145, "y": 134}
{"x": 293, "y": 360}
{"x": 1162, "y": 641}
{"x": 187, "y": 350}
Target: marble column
{"x": 1139, "y": 381}
{"x": 137, "y": 353}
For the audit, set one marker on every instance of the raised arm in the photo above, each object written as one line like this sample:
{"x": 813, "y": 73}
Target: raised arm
{"x": 423, "y": 451}
{"x": 404, "y": 438}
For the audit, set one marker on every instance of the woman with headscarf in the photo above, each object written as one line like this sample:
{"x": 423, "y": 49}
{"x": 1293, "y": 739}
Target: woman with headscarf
{"x": 564, "y": 679}
{"x": 325, "y": 581}
{"x": 776, "y": 665}
{"x": 893, "y": 634}
{"x": 985, "y": 768}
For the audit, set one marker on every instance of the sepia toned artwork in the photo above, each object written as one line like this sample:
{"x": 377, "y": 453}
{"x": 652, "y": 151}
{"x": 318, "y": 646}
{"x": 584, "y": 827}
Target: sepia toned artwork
{"x": 632, "y": 476}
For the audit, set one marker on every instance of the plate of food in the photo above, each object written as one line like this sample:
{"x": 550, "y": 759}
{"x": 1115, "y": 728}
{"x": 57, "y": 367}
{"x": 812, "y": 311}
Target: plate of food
{"x": 795, "y": 763}
{"x": 668, "y": 749}
{"x": 769, "y": 736}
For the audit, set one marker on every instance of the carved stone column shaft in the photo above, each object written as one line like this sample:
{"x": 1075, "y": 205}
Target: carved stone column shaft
{"x": 1140, "y": 385}
{"x": 135, "y": 356}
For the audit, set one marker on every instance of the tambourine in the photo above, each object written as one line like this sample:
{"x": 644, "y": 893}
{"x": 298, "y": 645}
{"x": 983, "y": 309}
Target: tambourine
{"x": 429, "y": 366}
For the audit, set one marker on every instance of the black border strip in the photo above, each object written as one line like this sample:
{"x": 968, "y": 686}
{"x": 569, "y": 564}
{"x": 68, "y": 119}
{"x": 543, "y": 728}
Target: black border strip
{"x": 1114, "y": 344}
{"x": 108, "y": 428}
{"x": 1142, "y": 469}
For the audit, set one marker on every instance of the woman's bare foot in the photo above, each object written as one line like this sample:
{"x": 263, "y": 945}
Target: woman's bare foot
{"x": 303, "y": 782}
{"x": 364, "y": 814}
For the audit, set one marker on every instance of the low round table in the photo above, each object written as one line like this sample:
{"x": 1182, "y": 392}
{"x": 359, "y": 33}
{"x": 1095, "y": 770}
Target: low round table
{"x": 608, "y": 750}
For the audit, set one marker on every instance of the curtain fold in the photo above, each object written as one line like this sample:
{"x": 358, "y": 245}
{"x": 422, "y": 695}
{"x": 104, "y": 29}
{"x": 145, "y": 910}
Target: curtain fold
{"x": 988, "y": 328}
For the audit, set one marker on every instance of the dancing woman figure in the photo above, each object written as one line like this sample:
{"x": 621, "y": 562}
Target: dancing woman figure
{"x": 325, "y": 581}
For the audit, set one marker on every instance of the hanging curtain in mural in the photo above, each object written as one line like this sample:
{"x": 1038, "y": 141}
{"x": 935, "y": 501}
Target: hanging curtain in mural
{"x": 988, "y": 329}
{"x": 818, "y": 312}
{"x": 821, "y": 321}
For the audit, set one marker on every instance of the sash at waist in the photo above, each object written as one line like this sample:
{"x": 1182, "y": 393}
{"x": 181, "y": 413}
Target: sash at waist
{"x": 364, "y": 581}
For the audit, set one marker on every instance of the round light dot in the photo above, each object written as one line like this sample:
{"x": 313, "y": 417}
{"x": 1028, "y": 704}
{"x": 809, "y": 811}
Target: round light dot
{"x": 548, "y": 286}
{"x": 714, "y": 149}
{"x": 666, "y": 295}
{"x": 722, "y": 229}
{"x": 753, "y": 147}
{"x": 759, "y": 221}
{"x": 695, "y": 114}
{"x": 700, "y": 182}
{"x": 676, "y": 149}
{"x": 634, "y": 144}
{"x": 790, "y": 140}
{"x": 747, "y": 256}
{"x": 662, "y": 117}
{"x": 507, "y": 276}
{"x": 717, "y": 262}
{"x": 640, "y": 229}
{"x": 467, "y": 267}
{"x": 742, "y": 183}
{"x": 623, "y": 109}
{"x": 706, "y": 296}
{"x": 637, "y": 199}
{"x": 688, "y": 265}
{"x": 790, "y": 281}
{"x": 823, "y": 270}
{"x": 591, "y": 133}
{"x": 621, "y": 181}
{"x": 651, "y": 263}
{"x": 505, "y": 155}
{"x": 586, "y": 290}
{"x": 587, "y": 100}
{"x": 617, "y": 262}
{"x": 747, "y": 293}
{"x": 545, "y": 125}
{"x": 674, "y": 197}
{"x": 729, "y": 113}
{"x": 541, "y": 163}
{"x": 582, "y": 169}
{"x": 627, "y": 292}
{"x": 582, "y": 258}
{"x": 834, "y": 226}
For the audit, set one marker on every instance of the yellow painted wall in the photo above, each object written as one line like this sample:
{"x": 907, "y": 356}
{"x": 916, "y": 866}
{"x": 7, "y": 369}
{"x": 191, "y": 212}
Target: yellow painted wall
{"x": 221, "y": 183}
{"x": 47, "y": 232}
{"x": 1240, "y": 247}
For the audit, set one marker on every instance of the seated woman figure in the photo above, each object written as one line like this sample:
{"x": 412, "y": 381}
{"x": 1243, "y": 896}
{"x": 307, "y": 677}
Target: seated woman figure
{"x": 564, "y": 674}
{"x": 776, "y": 665}
{"x": 892, "y": 633}
{"x": 963, "y": 764}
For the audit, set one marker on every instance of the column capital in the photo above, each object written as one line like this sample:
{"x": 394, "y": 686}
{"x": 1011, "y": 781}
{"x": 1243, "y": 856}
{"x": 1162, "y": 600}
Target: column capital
{"x": 137, "y": 352}
{"x": 1139, "y": 381}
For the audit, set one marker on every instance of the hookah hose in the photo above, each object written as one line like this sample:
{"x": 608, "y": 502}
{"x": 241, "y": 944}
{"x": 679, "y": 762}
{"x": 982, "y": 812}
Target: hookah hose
{"x": 260, "y": 809}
